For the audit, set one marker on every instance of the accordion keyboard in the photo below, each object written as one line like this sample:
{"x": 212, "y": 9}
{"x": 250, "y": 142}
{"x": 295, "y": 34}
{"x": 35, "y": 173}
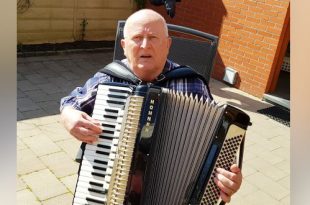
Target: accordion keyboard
{"x": 98, "y": 158}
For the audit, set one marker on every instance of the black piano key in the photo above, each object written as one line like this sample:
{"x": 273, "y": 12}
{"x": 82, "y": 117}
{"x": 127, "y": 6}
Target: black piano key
{"x": 95, "y": 200}
{"x": 97, "y": 191}
{"x": 119, "y": 91}
{"x": 96, "y": 184}
{"x": 108, "y": 132}
{"x": 97, "y": 174}
{"x": 117, "y": 96}
{"x": 108, "y": 125}
{"x": 104, "y": 137}
{"x": 116, "y": 102}
{"x": 110, "y": 117}
{"x": 102, "y": 152}
{"x": 100, "y": 168}
{"x": 111, "y": 110}
{"x": 100, "y": 161}
{"x": 104, "y": 146}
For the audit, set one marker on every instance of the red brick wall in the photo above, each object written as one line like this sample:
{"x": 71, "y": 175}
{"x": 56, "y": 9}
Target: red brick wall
{"x": 250, "y": 34}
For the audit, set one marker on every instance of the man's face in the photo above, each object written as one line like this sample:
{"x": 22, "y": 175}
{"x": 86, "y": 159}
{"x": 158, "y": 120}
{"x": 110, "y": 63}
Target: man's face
{"x": 146, "y": 47}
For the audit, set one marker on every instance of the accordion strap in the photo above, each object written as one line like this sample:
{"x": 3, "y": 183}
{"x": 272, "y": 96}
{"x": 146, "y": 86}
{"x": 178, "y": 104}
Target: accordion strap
{"x": 120, "y": 70}
{"x": 182, "y": 71}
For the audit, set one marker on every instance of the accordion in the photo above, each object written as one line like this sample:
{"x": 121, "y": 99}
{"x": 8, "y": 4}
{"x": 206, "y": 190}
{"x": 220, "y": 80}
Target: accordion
{"x": 158, "y": 147}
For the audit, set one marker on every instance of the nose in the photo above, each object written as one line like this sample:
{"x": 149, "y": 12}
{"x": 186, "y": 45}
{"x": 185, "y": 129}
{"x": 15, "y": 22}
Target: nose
{"x": 145, "y": 42}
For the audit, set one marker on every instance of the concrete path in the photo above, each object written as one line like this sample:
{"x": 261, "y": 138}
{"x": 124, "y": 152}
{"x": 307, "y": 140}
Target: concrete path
{"x": 46, "y": 169}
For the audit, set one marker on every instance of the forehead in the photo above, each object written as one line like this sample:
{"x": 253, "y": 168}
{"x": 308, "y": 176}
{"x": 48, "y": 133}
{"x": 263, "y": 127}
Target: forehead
{"x": 146, "y": 28}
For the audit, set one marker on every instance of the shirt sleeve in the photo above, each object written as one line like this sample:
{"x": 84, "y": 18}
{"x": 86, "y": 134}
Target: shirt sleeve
{"x": 83, "y": 98}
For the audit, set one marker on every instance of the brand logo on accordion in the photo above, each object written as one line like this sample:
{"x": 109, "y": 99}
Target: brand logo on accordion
{"x": 148, "y": 128}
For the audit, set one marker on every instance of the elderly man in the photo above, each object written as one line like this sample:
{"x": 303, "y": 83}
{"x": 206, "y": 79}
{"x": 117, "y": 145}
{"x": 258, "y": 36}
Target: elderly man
{"x": 146, "y": 45}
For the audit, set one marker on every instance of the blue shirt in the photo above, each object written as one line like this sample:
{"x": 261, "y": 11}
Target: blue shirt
{"x": 83, "y": 98}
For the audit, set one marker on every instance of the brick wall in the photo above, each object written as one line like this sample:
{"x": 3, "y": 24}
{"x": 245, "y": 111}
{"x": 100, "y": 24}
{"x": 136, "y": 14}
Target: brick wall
{"x": 250, "y": 35}
{"x": 55, "y": 21}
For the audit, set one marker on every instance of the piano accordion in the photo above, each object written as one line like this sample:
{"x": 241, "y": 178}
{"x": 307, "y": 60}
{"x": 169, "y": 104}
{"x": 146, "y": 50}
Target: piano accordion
{"x": 158, "y": 147}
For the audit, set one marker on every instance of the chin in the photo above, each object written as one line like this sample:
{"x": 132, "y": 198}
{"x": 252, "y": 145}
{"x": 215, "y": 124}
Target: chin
{"x": 146, "y": 66}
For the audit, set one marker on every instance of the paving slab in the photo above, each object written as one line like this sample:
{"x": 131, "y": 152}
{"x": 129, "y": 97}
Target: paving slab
{"x": 28, "y": 162}
{"x": 44, "y": 184}
{"x": 60, "y": 164}
{"x": 35, "y": 144}
{"x": 26, "y": 197}
{"x": 65, "y": 199}
{"x": 70, "y": 182}
{"x": 70, "y": 146}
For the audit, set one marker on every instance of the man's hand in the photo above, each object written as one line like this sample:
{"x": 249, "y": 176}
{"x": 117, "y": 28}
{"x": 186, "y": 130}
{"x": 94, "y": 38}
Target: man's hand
{"x": 81, "y": 125}
{"x": 228, "y": 182}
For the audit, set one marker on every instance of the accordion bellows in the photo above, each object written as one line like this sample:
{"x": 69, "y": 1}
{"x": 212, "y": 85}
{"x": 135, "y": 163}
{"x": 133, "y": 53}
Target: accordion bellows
{"x": 160, "y": 147}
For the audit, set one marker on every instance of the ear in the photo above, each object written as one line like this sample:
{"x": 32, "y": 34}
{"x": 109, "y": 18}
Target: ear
{"x": 169, "y": 42}
{"x": 123, "y": 45}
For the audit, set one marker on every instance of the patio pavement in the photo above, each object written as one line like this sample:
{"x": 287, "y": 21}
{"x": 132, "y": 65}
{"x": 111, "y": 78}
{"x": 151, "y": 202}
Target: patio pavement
{"x": 46, "y": 169}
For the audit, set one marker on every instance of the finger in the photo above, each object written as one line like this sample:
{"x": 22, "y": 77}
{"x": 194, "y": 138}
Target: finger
{"x": 235, "y": 177}
{"x": 85, "y": 135}
{"x": 222, "y": 185}
{"x": 225, "y": 197}
{"x": 89, "y": 125}
{"x": 235, "y": 169}
{"x": 87, "y": 117}
{"x": 86, "y": 139}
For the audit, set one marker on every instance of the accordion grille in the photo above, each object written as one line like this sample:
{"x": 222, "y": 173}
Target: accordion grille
{"x": 226, "y": 158}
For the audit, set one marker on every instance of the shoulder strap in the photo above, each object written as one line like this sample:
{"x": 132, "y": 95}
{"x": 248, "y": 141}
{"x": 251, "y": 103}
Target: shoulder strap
{"x": 181, "y": 71}
{"x": 120, "y": 70}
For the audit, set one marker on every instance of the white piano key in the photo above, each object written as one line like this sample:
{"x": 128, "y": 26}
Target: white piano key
{"x": 110, "y": 135}
{"x": 101, "y": 118}
{"x": 108, "y": 126}
{"x": 111, "y": 88}
{"x": 103, "y": 102}
{"x": 94, "y": 169}
{"x": 91, "y": 186}
{"x": 114, "y": 149}
{"x": 83, "y": 188}
{"x": 105, "y": 143}
{"x": 91, "y": 179}
{"x": 107, "y": 179}
{"x": 99, "y": 155}
{"x": 98, "y": 148}
{"x": 112, "y": 97}
{"x": 83, "y": 201}
{"x": 86, "y": 173}
{"x": 104, "y": 111}
{"x": 110, "y": 163}
{"x": 109, "y": 171}
{"x": 84, "y": 194}
{"x": 92, "y": 164}
{"x": 92, "y": 158}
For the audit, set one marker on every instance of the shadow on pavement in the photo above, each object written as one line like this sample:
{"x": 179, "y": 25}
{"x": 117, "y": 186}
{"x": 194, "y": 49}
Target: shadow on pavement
{"x": 43, "y": 80}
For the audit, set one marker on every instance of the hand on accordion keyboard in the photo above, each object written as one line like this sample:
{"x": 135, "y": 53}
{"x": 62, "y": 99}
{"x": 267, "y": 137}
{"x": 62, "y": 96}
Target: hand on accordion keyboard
{"x": 228, "y": 181}
{"x": 81, "y": 125}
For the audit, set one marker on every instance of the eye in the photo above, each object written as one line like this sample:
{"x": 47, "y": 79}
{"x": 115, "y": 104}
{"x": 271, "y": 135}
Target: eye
{"x": 137, "y": 39}
{"x": 154, "y": 39}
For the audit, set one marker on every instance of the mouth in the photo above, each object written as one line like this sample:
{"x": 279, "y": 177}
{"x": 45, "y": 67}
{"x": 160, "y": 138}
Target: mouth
{"x": 145, "y": 56}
